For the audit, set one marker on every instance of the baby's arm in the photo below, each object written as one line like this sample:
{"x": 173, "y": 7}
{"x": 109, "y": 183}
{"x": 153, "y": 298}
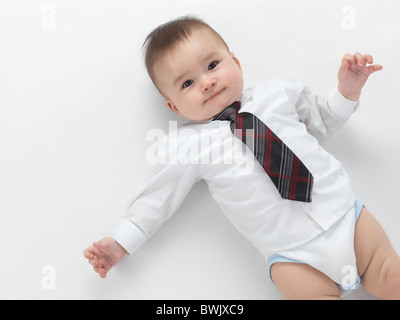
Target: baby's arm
{"x": 325, "y": 116}
{"x": 104, "y": 254}
{"x": 153, "y": 204}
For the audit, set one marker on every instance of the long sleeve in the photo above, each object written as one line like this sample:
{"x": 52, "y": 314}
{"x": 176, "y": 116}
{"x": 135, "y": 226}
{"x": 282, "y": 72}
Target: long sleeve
{"x": 158, "y": 199}
{"x": 322, "y": 116}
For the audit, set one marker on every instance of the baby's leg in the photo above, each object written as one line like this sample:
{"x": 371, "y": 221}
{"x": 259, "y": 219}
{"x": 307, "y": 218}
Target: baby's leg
{"x": 298, "y": 281}
{"x": 377, "y": 263}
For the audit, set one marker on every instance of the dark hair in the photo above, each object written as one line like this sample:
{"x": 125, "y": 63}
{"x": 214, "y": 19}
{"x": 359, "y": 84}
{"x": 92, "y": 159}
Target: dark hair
{"x": 167, "y": 36}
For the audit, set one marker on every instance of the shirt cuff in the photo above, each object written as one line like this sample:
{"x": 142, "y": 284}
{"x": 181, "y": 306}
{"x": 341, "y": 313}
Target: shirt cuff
{"x": 129, "y": 236}
{"x": 340, "y": 106}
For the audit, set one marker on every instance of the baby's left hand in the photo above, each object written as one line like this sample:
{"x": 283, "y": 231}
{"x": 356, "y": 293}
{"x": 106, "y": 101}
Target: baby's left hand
{"x": 354, "y": 73}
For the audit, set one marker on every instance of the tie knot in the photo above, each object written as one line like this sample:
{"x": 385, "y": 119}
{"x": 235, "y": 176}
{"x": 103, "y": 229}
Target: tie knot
{"x": 228, "y": 113}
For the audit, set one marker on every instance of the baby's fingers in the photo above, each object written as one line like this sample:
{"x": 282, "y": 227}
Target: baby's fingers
{"x": 92, "y": 258}
{"x": 375, "y": 68}
{"x": 88, "y": 253}
{"x": 363, "y": 59}
{"x": 98, "y": 266}
{"x": 368, "y": 58}
{"x": 96, "y": 262}
{"x": 349, "y": 59}
{"x": 359, "y": 58}
{"x": 101, "y": 271}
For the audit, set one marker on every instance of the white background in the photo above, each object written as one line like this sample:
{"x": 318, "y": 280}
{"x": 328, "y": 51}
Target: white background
{"x": 76, "y": 104}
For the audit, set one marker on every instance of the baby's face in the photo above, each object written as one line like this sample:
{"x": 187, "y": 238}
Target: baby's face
{"x": 200, "y": 77}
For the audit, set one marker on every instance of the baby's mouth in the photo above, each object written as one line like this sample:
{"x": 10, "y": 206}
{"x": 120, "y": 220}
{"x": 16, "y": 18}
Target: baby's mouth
{"x": 214, "y": 95}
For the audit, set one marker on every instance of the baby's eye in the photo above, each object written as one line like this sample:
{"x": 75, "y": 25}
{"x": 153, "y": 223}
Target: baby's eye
{"x": 187, "y": 84}
{"x": 212, "y": 65}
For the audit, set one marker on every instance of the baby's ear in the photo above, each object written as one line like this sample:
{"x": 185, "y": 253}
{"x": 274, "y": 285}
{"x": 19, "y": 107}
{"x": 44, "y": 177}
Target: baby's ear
{"x": 172, "y": 106}
{"x": 236, "y": 60}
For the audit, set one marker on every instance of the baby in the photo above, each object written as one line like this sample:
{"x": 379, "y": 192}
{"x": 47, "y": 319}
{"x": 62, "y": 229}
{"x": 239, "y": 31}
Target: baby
{"x": 315, "y": 247}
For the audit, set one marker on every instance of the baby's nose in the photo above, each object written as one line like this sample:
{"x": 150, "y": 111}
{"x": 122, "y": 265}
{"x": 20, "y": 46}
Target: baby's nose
{"x": 208, "y": 84}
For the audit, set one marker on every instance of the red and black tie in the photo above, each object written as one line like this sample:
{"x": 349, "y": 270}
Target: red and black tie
{"x": 290, "y": 176}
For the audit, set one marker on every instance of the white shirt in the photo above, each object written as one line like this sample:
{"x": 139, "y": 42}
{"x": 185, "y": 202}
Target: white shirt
{"x": 208, "y": 150}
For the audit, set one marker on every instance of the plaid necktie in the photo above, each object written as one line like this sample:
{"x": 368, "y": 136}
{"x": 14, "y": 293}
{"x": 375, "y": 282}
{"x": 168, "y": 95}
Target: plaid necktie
{"x": 287, "y": 172}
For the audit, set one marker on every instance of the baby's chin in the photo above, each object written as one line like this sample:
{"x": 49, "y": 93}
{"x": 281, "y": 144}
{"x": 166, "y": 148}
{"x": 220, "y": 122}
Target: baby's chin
{"x": 204, "y": 117}
{"x": 210, "y": 110}
{"x": 212, "y": 113}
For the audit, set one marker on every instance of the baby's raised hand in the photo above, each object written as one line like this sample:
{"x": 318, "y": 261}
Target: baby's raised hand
{"x": 354, "y": 73}
{"x": 104, "y": 254}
